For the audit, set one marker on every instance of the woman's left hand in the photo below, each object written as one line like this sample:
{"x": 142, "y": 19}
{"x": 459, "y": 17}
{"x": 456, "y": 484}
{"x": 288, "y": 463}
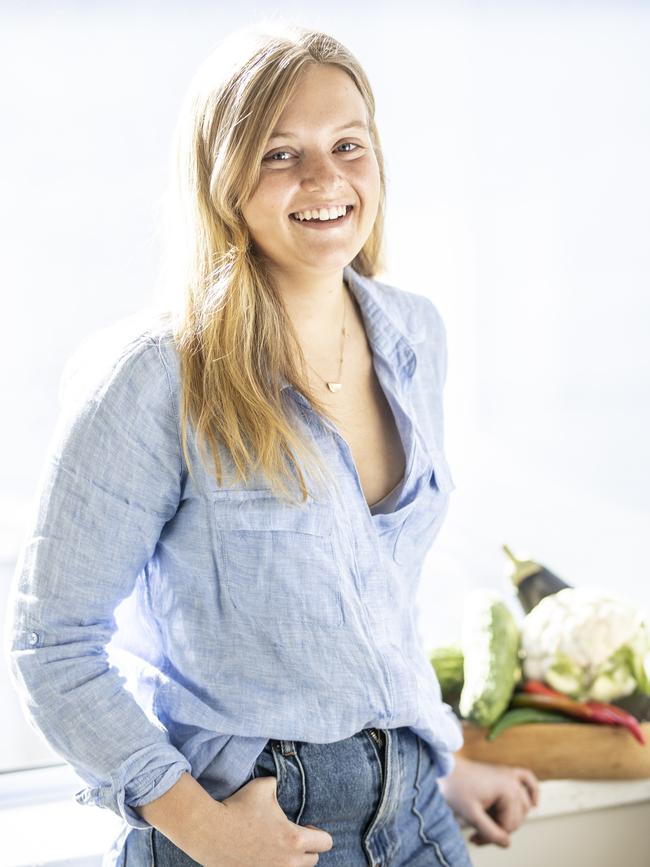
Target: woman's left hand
{"x": 492, "y": 798}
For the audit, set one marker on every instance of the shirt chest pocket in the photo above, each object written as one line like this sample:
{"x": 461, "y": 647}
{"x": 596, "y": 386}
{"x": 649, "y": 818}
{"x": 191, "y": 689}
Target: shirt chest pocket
{"x": 429, "y": 510}
{"x": 278, "y": 561}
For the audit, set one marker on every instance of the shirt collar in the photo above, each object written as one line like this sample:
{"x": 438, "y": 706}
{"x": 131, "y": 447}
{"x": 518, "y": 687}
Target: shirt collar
{"x": 395, "y": 341}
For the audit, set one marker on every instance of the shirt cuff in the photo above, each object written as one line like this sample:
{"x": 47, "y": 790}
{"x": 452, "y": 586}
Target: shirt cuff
{"x": 121, "y": 794}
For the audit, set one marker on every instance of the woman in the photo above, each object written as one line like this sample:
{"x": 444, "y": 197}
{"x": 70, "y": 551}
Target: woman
{"x": 262, "y": 471}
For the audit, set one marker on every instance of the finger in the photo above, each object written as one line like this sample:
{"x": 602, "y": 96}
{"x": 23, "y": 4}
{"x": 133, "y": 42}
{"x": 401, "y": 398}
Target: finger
{"x": 530, "y": 781}
{"x": 479, "y": 839}
{"x": 508, "y": 813}
{"x": 524, "y": 796}
{"x": 489, "y": 830}
{"x": 324, "y": 842}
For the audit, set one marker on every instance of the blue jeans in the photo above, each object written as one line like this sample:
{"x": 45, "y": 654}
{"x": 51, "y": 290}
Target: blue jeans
{"x": 380, "y": 801}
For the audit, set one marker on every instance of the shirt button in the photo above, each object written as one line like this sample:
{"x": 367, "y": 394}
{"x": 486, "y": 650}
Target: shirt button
{"x": 33, "y": 637}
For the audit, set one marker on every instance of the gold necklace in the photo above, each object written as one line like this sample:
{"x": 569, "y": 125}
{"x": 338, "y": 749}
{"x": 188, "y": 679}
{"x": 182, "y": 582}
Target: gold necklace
{"x": 336, "y": 386}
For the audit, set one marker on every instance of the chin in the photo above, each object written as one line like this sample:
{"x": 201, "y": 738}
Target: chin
{"x": 331, "y": 263}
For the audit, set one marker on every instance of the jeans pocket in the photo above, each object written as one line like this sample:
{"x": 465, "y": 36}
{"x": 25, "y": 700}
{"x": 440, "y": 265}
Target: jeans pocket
{"x": 165, "y": 854}
{"x": 289, "y": 774}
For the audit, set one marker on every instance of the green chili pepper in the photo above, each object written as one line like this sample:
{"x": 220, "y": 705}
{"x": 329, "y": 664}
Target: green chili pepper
{"x": 521, "y": 715}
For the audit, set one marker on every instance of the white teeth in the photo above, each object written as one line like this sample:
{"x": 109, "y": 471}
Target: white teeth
{"x": 322, "y": 214}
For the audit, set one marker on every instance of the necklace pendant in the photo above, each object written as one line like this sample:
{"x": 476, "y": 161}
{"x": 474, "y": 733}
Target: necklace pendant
{"x": 334, "y": 386}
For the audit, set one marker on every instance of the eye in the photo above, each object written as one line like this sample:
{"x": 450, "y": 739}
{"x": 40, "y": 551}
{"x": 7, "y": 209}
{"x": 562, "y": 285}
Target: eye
{"x": 355, "y": 146}
{"x": 276, "y": 154}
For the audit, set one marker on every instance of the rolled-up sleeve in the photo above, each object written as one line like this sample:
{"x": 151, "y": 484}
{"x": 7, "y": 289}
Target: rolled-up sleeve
{"x": 111, "y": 481}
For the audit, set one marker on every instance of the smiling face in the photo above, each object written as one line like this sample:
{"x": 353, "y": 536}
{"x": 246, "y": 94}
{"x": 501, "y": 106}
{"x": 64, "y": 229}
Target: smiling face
{"x": 319, "y": 156}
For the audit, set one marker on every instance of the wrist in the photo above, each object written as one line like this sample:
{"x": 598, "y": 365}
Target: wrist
{"x": 459, "y": 761}
{"x": 183, "y": 813}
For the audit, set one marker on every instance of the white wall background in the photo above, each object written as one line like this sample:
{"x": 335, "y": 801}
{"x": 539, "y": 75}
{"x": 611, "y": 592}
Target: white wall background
{"x": 516, "y": 138}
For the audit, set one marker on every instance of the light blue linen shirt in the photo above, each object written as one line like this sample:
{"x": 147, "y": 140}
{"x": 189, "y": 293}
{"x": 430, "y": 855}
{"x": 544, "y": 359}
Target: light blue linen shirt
{"x": 240, "y": 618}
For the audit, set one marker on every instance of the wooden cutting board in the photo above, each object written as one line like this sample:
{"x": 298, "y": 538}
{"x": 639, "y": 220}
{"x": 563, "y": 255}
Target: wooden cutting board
{"x": 577, "y": 751}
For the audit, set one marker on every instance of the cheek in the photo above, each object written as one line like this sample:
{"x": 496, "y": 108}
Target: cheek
{"x": 371, "y": 184}
{"x": 265, "y": 205}
{"x": 368, "y": 180}
{"x": 255, "y": 213}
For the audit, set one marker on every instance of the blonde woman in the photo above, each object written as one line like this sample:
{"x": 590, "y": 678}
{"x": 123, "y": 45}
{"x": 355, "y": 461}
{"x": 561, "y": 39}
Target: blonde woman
{"x": 262, "y": 470}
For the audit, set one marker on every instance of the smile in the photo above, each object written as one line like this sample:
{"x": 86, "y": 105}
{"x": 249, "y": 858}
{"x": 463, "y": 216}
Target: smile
{"x": 324, "y": 222}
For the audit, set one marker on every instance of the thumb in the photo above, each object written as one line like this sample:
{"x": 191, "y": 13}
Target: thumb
{"x": 271, "y": 783}
{"x": 488, "y": 830}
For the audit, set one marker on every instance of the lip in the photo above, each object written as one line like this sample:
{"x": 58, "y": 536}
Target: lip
{"x": 320, "y": 225}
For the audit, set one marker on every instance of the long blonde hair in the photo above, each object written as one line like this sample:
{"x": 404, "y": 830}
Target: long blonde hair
{"x": 233, "y": 335}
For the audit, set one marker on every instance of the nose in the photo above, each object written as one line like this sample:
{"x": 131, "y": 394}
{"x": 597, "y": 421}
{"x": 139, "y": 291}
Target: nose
{"x": 320, "y": 173}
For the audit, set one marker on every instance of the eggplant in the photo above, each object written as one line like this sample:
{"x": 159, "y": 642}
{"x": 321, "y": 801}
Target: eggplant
{"x": 638, "y": 704}
{"x": 533, "y": 581}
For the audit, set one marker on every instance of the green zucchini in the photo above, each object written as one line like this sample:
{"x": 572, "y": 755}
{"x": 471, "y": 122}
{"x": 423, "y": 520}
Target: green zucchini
{"x": 490, "y": 642}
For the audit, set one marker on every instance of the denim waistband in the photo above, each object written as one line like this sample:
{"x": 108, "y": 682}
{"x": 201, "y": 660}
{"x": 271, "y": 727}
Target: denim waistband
{"x": 288, "y": 748}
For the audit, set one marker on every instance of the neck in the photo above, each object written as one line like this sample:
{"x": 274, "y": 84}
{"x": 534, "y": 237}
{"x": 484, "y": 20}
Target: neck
{"x": 315, "y": 306}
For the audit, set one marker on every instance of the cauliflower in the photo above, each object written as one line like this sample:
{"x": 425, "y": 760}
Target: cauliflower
{"x": 588, "y": 644}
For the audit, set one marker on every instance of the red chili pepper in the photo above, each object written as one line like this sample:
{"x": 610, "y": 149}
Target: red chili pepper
{"x": 551, "y": 702}
{"x": 537, "y": 694}
{"x": 607, "y": 712}
{"x": 619, "y": 716}
{"x": 537, "y": 687}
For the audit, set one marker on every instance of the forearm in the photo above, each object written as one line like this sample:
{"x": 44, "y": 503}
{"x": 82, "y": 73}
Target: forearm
{"x": 186, "y": 814}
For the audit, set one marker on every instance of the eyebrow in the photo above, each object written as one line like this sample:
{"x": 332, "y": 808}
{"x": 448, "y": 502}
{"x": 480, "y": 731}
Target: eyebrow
{"x": 359, "y": 124}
